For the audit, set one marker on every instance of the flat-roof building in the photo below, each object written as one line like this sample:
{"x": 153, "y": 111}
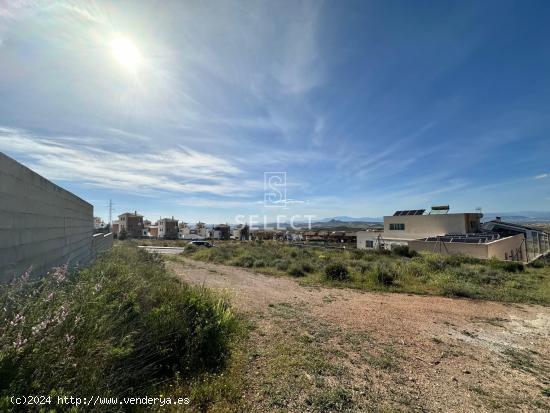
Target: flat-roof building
{"x": 445, "y": 233}
{"x": 409, "y": 225}
{"x": 132, "y": 223}
{"x": 168, "y": 228}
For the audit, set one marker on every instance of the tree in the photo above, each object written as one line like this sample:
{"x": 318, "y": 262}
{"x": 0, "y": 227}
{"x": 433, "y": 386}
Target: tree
{"x": 123, "y": 234}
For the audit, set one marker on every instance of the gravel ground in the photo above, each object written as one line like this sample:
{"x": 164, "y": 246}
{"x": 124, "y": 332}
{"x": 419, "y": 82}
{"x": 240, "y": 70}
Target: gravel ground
{"x": 323, "y": 349}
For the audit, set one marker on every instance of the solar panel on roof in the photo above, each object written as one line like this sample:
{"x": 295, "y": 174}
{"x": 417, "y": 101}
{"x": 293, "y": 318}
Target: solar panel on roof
{"x": 479, "y": 238}
{"x": 409, "y": 212}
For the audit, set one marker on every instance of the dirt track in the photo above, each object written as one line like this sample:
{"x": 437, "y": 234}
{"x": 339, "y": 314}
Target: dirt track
{"x": 389, "y": 351}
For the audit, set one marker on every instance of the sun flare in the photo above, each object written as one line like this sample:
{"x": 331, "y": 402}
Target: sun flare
{"x": 125, "y": 52}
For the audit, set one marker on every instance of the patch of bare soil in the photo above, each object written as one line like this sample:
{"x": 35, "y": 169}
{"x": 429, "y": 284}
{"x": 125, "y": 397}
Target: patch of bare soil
{"x": 323, "y": 349}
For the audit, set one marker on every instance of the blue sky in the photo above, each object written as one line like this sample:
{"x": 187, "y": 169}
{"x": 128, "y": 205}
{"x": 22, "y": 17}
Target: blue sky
{"x": 367, "y": 106}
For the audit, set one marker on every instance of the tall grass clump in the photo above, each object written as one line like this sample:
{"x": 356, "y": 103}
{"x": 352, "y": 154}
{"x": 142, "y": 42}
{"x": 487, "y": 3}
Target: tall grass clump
{"x": 119, "y": 327}
{"x": 385, "y": 274}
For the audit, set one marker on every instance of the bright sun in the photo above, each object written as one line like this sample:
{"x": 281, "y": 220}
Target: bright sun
{"x": 125, "y": 52}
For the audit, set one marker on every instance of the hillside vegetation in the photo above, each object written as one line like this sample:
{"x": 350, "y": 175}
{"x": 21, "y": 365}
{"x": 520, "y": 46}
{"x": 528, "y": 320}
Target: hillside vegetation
{"x": 398, "y": 271}
{"x": 121, "y": 327}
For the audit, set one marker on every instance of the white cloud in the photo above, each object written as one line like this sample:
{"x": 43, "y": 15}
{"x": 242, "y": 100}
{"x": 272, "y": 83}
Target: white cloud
{"x": 300, "y": 70}
{"x": 169, "y": 169}
{"x": 542, "y": 176}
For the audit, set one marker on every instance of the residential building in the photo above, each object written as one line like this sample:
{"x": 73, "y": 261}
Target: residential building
{"x": 168, "y": 228}
{"x": 184, "y": 228}
{"x": 98, "y": 223}
{"x": 221, "y": 232}
{"x": 443, "y": 232}
{"x": 132, "y": 223}
{"x": 405, "y": 226}
{"x": 146, "y": 226}
{"x": 241, "y": 232}
{"x": 195, "y": 234}
{"x": 267, "y": 234}
{"x": 153, "y": 231}
{"x": 201, "y": 230}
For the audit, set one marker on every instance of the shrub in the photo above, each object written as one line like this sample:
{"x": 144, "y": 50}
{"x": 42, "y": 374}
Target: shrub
{"x": 121, "y": 325}
{"x": 246, "y": 261}
{"x": 457, "y": 260}
{"x": 490, "y": 277}
{"x": 513, "y": 266}
{"x": 385, "y": 275}
{"x": 466, "y": 273}
{"x": 122, "y": 234}
{"x": 415, "y": 269}
{"x": 478, "y": 275}
{"x": 538, "y": 263}
{"x": 403, "y": 251}
{"x": 296, "y": 271}
{"x": 281, "y": 264}
{"x": 436, "y": 262}
{"x": 361, "y": 266}
{"x": 259, "y": 263}
{"x": 307, "y": 267}
{"x": 508, "y": 266}
{"x": 190, "y": 248}
{"x": 458, "y": 290}
{"x": 337, "y": 271}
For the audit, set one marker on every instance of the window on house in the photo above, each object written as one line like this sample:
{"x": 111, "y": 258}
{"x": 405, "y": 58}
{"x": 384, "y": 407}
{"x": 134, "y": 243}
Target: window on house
{"x": 397, "y": 227}
{"x": 369, "y": 244}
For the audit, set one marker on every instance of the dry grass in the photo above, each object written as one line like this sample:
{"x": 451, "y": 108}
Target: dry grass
{"x": 455, "y": 276}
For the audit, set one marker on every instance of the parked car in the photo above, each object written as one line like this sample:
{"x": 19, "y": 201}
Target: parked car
{"x": 201, "y": 244}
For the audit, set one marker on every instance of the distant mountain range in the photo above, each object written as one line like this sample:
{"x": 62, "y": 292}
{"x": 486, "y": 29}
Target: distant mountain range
{"x": 519, "y": 217}
{"x": 342, "y": 222}
{"x": 344, "y": 218}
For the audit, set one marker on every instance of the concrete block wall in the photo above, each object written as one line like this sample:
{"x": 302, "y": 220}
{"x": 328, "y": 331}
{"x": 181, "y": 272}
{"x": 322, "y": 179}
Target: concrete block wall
{"x": 506, "y": 248}
{"x": 101, "y": 243}
{"x": 41, "y": 224}
{"x": 501, "y": 249}
{"x": 450, "y": 248}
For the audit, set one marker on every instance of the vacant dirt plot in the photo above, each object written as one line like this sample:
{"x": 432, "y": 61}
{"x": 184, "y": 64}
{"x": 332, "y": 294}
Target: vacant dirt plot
{"x": 321, "y": 349}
